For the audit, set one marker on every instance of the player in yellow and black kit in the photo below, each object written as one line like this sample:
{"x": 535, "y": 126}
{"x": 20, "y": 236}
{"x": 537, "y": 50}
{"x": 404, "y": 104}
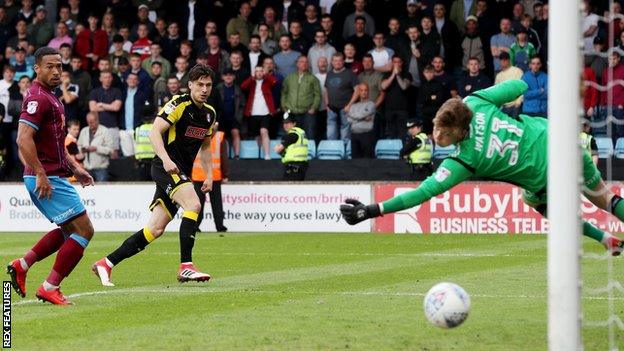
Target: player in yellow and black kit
{"x": 183, "y": 126}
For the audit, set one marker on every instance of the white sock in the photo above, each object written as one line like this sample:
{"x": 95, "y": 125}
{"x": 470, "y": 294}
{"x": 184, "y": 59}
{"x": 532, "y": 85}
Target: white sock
{"x": 23, "y": 264}
{"x": 109, "y": 263}
{"x": 187, "y": 263}
{"x": 47, "y": 286}
{"x": 606, "y": 237}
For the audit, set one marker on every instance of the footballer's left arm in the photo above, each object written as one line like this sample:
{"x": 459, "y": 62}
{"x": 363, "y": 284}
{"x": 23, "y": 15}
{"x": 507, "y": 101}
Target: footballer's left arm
{"x": 205, "y": 158}
{"x": 504, "y": 92}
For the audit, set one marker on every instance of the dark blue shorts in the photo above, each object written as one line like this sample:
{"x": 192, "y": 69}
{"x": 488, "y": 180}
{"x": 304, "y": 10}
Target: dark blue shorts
{"x": 63, "y": 206}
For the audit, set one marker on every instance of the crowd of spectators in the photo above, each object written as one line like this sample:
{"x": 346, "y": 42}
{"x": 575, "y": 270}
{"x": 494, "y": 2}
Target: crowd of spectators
{"x": 345, "y": 69}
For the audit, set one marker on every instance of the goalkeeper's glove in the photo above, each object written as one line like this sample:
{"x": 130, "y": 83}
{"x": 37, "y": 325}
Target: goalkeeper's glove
{"x": 355, "y": 212}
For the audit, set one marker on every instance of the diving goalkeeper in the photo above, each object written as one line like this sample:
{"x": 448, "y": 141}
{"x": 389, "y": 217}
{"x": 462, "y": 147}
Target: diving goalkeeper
{"x": 494, "y": 146}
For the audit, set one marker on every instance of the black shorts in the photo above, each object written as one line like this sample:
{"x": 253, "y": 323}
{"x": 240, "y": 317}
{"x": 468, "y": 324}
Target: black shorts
{"x": 227, "y": 124}
{"x": 166, "y": 185}
{"x": 255, "y": 123}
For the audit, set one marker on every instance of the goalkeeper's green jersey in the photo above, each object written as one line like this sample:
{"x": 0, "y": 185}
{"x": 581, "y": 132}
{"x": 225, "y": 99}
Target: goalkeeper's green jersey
{"x": 497, "y": 147}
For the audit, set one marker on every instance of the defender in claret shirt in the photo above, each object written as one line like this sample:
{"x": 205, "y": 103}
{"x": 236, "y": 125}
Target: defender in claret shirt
{"x": 183, "y": 127}
{"x": 492, "y": 145}
{"x": 41, "y": 141}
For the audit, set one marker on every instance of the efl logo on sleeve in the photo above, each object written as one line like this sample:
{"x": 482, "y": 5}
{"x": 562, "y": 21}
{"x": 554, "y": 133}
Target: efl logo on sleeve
{"x": 441, "y": 174}
{"x": 6, "y": 315}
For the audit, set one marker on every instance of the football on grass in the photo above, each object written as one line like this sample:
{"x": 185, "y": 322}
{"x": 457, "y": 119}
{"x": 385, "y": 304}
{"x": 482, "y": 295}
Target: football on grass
{"x": 446, "y": 305}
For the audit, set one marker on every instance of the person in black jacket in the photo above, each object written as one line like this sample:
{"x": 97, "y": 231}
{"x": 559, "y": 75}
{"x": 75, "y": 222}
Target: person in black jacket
{"x": 451, "y": 38}
{"x": 473, "y": 80}
{"x": 430, "y": 98}
{"x": 398, "y": 41}
{"x": 295, "y": 11}
{"x": 429, "y": 40}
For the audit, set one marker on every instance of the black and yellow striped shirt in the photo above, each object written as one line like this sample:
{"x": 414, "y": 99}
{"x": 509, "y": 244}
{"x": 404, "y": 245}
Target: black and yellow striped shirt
{"x": 190, "y": 125}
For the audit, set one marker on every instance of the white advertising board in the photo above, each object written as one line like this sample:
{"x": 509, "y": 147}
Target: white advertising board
{"x": 247, "y": 207}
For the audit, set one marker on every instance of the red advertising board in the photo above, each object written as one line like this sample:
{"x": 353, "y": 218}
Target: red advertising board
{"x": 477, "y": 207}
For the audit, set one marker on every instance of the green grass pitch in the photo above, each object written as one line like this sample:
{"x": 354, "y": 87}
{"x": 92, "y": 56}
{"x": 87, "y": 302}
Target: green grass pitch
{"x": 305, "y": 292}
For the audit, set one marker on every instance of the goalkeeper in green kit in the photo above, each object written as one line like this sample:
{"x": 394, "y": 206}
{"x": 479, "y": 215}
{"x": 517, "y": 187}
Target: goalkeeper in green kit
{"x": 492, "y": 145}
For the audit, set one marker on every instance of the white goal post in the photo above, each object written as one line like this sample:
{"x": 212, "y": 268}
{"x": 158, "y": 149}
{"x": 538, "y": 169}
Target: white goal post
{"x": 564, "y": 237}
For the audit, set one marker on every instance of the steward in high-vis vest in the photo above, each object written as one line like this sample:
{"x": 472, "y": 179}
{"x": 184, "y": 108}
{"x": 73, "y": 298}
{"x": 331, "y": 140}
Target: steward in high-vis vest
{"x": 294, "y": 150}
{"x": 143, "y": 150}
{"x": 220, "y": 174}
{"x": 417, "y": 151}
{"x": 588, "y": 141}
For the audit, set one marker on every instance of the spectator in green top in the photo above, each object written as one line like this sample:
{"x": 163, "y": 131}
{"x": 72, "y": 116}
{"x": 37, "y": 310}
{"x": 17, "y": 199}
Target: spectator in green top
{"x": 41, "y": 31}
{"x": 241, "y": 24}
{"x": 522, "y": 50}
{"x": 301, "y": 94}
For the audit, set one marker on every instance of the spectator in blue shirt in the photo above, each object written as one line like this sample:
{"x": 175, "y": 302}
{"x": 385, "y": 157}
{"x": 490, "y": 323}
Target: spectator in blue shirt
{"x": 134, "y": 102}
{"x": 22, "y": 68}
{"x": 286, "y": 58}
{"x": 501, "y": 42}
{"x": 536, "y": 97}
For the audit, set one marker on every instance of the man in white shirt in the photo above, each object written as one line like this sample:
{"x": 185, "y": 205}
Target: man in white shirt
{"x": 5, "y": 84}
{"x": 190, "y": 25}
{"x": 382, "y": 56}
{"x": 326, "y": 5}
{"x": 321, "y": 75}
{"x": 260, "y": 106}
{"x": 590, "y": 28}
{"x": 255, "y": 56}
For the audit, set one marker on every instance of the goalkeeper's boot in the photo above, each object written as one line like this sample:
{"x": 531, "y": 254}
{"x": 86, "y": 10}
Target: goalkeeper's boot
{"x": 188, "y": 272}
{"x": 54, "y": 297}
{"x": 103, "y": 271}
{"x": 614, "y": 245}
{"x": 18, "y": 277}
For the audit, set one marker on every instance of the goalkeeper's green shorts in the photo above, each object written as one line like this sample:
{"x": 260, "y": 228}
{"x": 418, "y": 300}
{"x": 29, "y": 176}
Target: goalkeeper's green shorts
{"x": 591, "y": 178}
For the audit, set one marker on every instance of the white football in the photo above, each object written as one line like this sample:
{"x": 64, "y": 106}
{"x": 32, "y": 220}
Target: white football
{"x": 446, "y": 305}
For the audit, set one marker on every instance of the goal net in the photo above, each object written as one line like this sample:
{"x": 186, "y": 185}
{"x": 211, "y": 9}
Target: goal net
{"x": 582, "y": 38}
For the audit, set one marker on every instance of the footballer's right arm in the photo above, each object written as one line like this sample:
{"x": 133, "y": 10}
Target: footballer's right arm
{"x": 160, "y": 127}
{"x": 27, "y": 148}
{"x": 449, "y": 174}
{"x": 28, "y": 155}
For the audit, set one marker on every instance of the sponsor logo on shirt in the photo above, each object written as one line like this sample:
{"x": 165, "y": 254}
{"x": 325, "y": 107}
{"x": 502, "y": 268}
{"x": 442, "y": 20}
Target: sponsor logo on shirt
{"x": 196, "y": 132}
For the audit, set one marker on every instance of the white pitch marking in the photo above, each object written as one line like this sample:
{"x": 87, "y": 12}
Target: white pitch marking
{"x": 202, "y": 290}
{"x": 423, "y": 254}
